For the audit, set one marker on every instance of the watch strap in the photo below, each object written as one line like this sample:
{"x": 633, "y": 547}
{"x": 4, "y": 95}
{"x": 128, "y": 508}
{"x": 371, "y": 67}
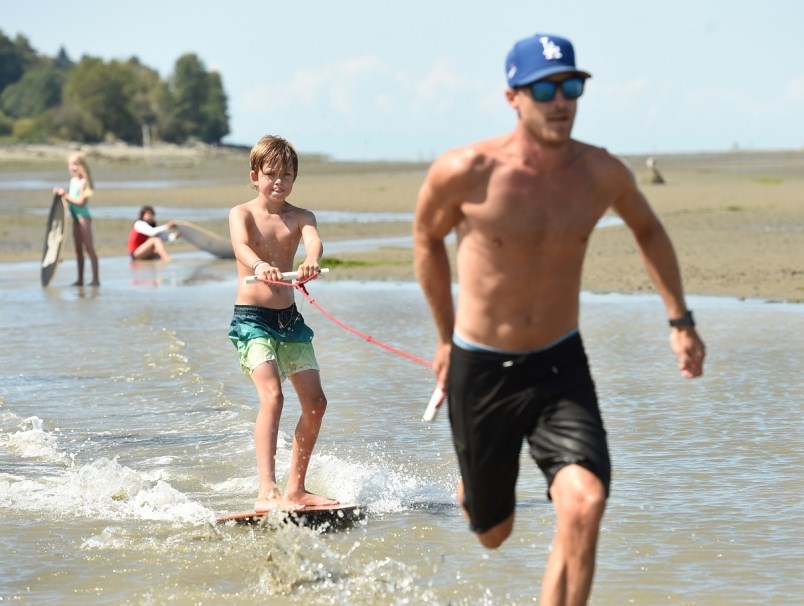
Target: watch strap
{"x": 685, "y": 320}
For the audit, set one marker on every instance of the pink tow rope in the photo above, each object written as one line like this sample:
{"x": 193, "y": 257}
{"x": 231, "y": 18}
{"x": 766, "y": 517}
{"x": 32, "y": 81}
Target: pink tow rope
{"x": 299, "y": 285}
{"x": 438, "y": 395}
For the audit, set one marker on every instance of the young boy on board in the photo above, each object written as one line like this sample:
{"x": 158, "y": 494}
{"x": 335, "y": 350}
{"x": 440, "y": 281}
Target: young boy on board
{"x": 271, "y": 337}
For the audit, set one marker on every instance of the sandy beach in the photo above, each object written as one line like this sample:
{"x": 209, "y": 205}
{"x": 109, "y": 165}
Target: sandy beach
{"x": 736, "y": 219}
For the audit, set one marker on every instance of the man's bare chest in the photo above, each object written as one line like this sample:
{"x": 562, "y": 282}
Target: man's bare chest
{"x": 535, "y": 214}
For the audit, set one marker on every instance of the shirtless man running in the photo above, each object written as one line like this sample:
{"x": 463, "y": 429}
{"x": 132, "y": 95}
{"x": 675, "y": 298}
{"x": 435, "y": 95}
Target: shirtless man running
{"x": 523, "y": 206}
{"x": 271, "y": 337}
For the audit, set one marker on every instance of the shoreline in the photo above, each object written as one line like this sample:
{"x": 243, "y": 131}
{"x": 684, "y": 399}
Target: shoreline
{"x": 736, "y": 219}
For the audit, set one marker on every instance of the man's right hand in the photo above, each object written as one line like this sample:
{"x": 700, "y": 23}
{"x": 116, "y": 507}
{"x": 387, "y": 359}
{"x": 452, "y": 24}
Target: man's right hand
{"x": 690, "y": 349}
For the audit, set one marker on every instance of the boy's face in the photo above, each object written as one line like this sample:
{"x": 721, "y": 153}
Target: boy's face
{"x": 273, "y": 182}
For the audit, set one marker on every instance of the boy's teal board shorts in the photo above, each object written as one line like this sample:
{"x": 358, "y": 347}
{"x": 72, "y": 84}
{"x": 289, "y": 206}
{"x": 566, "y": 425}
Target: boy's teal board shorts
{"x": 262, "y": 334}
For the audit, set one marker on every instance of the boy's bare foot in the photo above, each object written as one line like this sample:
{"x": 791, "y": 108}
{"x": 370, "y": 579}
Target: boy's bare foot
{"x": 77, "y": 283}
{"x": 308, "y": 499}
{"x": 94, "y": 283}
{"x": 274, "y": 501}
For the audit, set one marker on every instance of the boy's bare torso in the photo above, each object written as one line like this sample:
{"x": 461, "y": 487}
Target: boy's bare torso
{"x": 274, "y": 235}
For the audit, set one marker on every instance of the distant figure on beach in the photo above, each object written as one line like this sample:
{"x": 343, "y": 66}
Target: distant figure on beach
{"x": 655, "y": 176}
{"x": 146, "y": 240}
{"x": 270, "y": 334}
{"x": 77, "y": 197}
{"x": 523, "y": 206}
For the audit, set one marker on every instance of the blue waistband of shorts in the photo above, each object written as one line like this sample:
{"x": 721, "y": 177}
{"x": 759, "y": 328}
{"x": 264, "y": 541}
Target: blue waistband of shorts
{"x": 464, "y": 343}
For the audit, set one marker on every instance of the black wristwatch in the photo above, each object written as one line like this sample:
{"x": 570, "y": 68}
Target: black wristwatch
{"x": 685, "y": 320}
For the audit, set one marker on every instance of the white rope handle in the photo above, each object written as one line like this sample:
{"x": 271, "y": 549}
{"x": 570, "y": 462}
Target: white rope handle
{"x": 286, "y": 275}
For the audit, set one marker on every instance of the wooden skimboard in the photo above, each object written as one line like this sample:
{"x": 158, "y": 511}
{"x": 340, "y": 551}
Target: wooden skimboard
{"x": 54, "y": 239}
{"x": 205, "y": 240}
{"x": 324, "y": 518}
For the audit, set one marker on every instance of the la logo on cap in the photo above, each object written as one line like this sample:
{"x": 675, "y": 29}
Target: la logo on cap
{"x": 539, "y": 56}
{"x": 551, "y": 50}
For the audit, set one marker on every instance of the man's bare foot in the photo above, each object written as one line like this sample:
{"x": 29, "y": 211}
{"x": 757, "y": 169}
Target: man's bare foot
{"x": 274, "y": 501}
{"x": 77, "y": 283}
{"x": 94, "y": 283}
{"x": 308, "y": 499}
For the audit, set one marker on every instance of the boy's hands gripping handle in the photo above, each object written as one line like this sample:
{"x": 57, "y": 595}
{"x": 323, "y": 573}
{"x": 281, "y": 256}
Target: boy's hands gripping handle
{"x": 286, "y": 275}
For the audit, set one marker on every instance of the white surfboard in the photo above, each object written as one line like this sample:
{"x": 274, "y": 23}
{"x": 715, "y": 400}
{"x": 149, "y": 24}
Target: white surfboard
{"x": 54, "y": 239}
{"x": 206, "y": 240}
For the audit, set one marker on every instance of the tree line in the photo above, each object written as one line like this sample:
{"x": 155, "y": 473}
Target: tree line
{"x": 54, "y": 99}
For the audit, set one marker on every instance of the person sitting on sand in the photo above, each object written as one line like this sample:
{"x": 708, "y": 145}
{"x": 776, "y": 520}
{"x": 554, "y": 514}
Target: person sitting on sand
{"x": 146, "y": 241}
{"x": 270, "y": 334}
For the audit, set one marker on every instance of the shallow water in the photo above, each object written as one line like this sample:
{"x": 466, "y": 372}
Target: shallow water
{"x": 125, "y": 425}
{"x": 44, "y": 180}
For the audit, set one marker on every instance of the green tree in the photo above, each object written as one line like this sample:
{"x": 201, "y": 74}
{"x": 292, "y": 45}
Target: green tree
{"x": 38, "y": 90}
{"x": 147, "y": 93}
{"x": 15, "y": 57}
{"x": 70, "y": 123}
{"x": 100, "y": 90}
{"x": 6, "y": 125}
{"x": 215, "y": 125}
{"x": 62, "y": 60}
{"x": 42, "y": 98}
{"x": 199, "y": 110}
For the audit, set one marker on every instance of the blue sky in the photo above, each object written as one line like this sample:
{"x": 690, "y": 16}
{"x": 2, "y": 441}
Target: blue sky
{"x": 368, "y": 79}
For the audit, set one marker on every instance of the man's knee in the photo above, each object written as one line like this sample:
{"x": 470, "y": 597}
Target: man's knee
{"x": 578, "y": 493}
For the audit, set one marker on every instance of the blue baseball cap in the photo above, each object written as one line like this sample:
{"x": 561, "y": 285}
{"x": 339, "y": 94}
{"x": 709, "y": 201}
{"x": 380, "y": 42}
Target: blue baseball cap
{"x": 540, "y": 56}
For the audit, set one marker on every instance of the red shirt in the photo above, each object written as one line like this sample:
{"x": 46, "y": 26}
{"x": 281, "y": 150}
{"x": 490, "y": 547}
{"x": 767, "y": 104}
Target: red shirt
{"x": 135, "y": 239}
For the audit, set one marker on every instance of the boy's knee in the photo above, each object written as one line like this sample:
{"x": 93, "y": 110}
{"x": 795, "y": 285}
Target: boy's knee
{"x": 315, "y": 406}
{"x": 272, "y": 397}
{"x": 320, "y": 404}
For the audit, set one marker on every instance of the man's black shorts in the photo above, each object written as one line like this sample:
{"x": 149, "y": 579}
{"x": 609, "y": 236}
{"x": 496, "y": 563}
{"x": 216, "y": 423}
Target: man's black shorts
{"x": 498, "y": 399}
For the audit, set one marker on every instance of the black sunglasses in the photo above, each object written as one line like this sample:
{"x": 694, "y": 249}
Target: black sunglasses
{"x": 545, "y": 90}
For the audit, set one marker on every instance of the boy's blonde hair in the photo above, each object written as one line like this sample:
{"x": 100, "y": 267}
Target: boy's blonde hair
{"x": 274, "y": 151}
{"x": 83, "y": 172}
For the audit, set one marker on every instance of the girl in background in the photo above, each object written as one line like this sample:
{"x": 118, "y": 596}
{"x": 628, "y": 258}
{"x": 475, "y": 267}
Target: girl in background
{"x": 81, "y": 186}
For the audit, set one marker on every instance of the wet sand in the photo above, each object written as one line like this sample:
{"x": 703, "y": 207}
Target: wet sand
{"x": 736, "y": 219}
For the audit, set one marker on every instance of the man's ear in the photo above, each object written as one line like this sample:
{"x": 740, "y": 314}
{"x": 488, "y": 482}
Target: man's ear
{"x": 510, "y": 97}
{"x": 513, "y": 97}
